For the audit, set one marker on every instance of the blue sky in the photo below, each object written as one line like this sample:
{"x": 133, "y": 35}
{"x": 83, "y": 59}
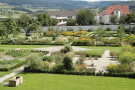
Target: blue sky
{"x": 104, "y": 0}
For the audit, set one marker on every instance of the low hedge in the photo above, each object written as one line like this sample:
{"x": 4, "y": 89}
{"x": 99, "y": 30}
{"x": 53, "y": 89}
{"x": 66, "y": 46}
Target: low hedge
{"x": 128, "y": 75}
{"x": 61, "y": 72}
{"x": 21, "y": 52}
{"x": 7, "y": 65}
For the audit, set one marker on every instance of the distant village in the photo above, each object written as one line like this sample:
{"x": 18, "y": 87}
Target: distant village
{"x": 102, "y": 18}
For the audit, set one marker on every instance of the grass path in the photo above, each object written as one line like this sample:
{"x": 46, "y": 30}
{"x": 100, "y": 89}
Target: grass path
{"x": 70, "y": 82}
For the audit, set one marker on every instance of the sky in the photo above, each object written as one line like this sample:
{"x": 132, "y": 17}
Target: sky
{"x": 104, "y": 0}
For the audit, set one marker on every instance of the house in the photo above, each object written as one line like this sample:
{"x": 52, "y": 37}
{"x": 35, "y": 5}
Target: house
{"x": 104, "y": 18}
{"x": 63, "y": 16}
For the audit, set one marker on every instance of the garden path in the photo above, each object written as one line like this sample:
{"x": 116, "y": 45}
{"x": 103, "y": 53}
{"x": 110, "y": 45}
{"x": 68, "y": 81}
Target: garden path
{"x": 15, "y": 72}
{"x": 55, "y": 49}
{"x": 102, "y": 63}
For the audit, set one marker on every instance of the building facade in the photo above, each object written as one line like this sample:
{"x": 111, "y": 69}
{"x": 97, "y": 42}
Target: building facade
{"x": 118, "y": 10}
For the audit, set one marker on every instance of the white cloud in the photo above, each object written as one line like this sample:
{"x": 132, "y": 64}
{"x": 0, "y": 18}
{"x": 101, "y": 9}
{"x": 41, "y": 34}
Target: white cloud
{"x": 104, "y": 0}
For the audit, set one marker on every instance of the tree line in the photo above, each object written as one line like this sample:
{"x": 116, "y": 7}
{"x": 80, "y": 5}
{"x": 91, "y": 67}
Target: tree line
{"x": 26, "y": 23}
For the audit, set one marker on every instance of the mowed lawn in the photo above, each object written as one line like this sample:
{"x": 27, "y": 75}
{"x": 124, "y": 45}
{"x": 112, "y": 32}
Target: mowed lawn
{"x": 71, "y": 82}
{"x": 101, "y": 47}
{"x": 2, "y": 73}
{"x": 26, "y": 46}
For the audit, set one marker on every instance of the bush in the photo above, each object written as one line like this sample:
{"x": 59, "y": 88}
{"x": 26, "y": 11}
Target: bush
{"x": 126, "y": 58}
{"x": 48, "y": 58}
{"x": 67, "y": 48}
{"x": 58, "y": 68}
{"x": 34, "y": 62}
{"x": 112, "y": 68}
{"x": 67, "y": 63}
{"x": 82, "y": 42}
{"x": 18, "y": 41}
{"x": 112, "y": 54}
{"x": 80, "y": 67}
{"x": 46, "y": 66}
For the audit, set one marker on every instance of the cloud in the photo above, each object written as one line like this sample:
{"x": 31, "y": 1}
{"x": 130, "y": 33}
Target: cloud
{"x": 104, "y": 0}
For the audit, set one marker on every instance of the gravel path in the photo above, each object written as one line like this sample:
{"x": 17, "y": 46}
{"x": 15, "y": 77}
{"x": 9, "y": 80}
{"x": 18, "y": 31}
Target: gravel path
{"x": 15, "y": 72}
{"x": 102, "y": 63}
{"x": 55, "y": 49}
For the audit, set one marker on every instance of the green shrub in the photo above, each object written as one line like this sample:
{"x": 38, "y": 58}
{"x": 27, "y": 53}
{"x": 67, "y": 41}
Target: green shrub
{"x": 126, "y": 57}
{"x": 46, "y": 66}
{"x": 58, "y": 68}
{"x": 112, "y": 68}
{"x": 67, "y": 63}
{"x": 34, "y": 62}
{"x": 48, "y": 58}
{"x": 80, "y": 67}
{"x": 58, "y": 59}
{"x": 67, "y": 48}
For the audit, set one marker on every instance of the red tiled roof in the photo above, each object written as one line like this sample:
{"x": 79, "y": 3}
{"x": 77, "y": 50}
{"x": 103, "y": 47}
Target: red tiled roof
{"x": 123, "y": 9}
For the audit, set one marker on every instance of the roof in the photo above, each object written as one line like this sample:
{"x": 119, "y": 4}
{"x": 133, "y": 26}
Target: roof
{"x": 63, "y": 13}
{"x": 123, "y": 9}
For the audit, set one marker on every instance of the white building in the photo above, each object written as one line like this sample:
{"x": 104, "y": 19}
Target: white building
{"x": 117, "y": 10}
{"x": 63, "y": 16}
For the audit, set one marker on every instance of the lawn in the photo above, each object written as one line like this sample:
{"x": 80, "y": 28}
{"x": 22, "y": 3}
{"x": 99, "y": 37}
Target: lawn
{"x": 101, "y": 47}
{"x": 2, "y": 73}
{"x": 71, "y": 82}
{"x": 26, "y": 46}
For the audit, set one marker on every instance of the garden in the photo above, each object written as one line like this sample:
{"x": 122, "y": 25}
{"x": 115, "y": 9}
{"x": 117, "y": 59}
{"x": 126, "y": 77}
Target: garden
{"x": 55, "y": 55}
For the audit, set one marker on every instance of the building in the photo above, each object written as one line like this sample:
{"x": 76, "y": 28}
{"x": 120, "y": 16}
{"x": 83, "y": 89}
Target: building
{"x": 104, "y": 18}
{"x": 63, "y": 16}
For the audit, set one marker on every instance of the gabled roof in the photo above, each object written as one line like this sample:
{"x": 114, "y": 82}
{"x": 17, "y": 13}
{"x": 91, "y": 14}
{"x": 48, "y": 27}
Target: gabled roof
{"x": 123, "y": 9}
{"x": 63, "y": 13}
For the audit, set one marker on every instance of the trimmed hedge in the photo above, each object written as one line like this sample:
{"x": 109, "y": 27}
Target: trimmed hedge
{"x": 128, "y": 75}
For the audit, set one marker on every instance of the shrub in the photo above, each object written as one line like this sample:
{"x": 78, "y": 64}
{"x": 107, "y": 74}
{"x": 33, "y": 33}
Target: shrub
{"x": 18, "y": 41}
{"x": 48, "y": 58}
{"x": 34, "y": 62}
{"x": 126, "y": 58}
{"x": 81, "y": 60}
{"x": 46, "y": 66}
{"x": 112, "y": 54}
{"x": 82, "y": 42}
{"x": 80, "y": 67}
{"x": 67, "y": 63}
{"x": 112, "y": 68}
{"x": 67, "y": 48}
{"x": 58, "y": 68}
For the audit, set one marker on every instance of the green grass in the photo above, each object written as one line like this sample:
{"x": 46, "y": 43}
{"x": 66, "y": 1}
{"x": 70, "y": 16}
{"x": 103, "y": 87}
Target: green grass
{"x": 2, "y": 73}
{"x": 26, "y": 46}
{"x": 71, "y": 82}
{"x": 101, "y": 47}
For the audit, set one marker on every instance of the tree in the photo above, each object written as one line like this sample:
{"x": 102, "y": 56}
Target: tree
{"x": 67, "y": 63}
{"x": 27, "y": 23}
{"x": 114, "y": 19}
{"x": 54, "y": 21}
{"x": 85, "y": 17}
{"x": 121, "y": 32}
{"x": 71, "y": 22}
{"x": 10, "y": 25}
{"x": 123, "y": 19}
{"x": 3, "y": 29}
{"x": 44, "y": 19}
{"x": 130, "y": 18}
